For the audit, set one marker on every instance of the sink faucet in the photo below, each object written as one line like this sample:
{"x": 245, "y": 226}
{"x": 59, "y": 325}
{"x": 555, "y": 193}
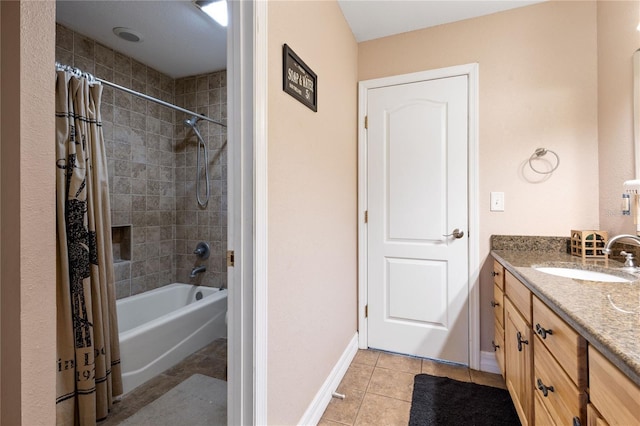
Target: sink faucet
{"x": 629, "y": 256}
{"x": 197, "y": 270}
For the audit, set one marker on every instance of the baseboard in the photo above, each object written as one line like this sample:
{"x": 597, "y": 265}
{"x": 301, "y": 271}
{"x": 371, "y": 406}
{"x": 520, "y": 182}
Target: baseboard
{"x": 323, "y": 397}
{"x": 489, "y": 363}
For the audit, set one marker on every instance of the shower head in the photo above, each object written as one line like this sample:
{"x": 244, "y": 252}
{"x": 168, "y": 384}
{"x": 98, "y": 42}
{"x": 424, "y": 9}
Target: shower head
{"x": 191, "y": 122}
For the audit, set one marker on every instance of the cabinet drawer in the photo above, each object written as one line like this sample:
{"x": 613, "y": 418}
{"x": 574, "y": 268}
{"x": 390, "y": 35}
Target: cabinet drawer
{"x": 567, "y": 346}
{"x": 498, "y": 346}
{"x": 614, "y": 395}
{"x": 563, "y": 400}
{"x": 594, "y": 418}
{"x": 519, "y": 295}
{"x": 498, "y": 305}
{"x": 498, "y": 274}
{"x": 540, "y": 413}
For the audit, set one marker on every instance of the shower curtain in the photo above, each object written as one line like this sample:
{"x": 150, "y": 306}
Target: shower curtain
{"x": 88, "y": 354}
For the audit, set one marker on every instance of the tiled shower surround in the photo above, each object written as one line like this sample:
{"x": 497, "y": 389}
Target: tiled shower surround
{"x": 152, "y": 168}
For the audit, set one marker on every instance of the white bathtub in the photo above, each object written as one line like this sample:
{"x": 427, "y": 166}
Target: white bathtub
{"x": 161, "y": 327}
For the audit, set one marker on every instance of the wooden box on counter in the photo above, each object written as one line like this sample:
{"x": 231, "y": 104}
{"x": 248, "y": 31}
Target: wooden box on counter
{"x": 588, "y": 244}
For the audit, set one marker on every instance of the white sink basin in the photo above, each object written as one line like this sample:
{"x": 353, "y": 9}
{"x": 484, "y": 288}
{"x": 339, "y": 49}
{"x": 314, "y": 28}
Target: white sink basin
{"x": 582, "y": 274}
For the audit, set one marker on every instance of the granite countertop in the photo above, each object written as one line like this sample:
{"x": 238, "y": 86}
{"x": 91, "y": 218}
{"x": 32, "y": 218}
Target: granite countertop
{"x": 607, "y": 315}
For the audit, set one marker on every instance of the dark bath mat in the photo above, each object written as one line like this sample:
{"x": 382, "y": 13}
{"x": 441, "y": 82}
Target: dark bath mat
{"x": 440, "y": 401}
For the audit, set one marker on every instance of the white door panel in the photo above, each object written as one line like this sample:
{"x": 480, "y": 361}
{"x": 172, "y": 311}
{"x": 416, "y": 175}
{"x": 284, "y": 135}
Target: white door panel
{"x": 417, "y": 193}
{"x": 416, "y": 291}
{"x": 415, "y": 172}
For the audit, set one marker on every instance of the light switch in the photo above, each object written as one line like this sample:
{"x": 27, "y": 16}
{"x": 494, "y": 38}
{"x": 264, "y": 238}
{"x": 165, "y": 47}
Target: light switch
{"x": 497, "y": 201}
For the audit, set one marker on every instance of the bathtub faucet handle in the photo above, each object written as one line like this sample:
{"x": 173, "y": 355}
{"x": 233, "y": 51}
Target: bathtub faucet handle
{"x": 202, "y": 250}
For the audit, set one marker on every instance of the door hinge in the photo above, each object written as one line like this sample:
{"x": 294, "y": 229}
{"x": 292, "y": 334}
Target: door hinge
{"x": 366, "y": 311}
{"x": 366, "y": 216}
{"x": 366, "y": 121}
{"x": 231, "y": 258}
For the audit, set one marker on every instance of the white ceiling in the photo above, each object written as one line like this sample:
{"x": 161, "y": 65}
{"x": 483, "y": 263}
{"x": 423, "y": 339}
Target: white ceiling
{"x": 371, "y": 19}
{"x": 179, "y": 40}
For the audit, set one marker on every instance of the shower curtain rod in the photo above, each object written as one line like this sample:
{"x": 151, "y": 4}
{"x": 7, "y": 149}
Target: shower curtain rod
{"x": 93, "y": 78}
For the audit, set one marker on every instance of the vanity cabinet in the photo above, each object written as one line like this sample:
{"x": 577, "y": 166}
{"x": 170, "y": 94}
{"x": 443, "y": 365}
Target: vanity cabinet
{"x": 553, "y": 375}
{"x": 518, "y": 347}
{"x": 615, "y": 399}
{"x": 497, "y": 303}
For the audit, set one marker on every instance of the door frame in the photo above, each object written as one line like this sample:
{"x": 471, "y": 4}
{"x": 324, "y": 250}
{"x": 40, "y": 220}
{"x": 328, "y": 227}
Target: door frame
{"x": 472, "y": 73}
{"x": 247, "y": 201}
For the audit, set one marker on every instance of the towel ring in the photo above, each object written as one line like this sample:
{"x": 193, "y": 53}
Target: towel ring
{"x": 540, "y": 152}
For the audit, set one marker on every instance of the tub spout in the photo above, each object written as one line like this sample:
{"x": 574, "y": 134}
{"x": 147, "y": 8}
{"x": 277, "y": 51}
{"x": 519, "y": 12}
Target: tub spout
{"x": 197, "y": 270}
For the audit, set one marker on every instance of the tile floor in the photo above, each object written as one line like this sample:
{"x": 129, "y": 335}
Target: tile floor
{"x": 210, "y": 361}
{"x": 378, "y": 387}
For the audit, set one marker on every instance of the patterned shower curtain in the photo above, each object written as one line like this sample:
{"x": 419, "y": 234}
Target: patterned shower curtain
{"x": 88, "y": 351}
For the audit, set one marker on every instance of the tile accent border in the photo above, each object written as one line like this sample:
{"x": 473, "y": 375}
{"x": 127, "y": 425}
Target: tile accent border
{"x": 319, "y": 404}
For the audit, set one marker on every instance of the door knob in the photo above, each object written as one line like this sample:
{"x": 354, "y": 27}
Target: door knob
{"x": 455, "y": 234}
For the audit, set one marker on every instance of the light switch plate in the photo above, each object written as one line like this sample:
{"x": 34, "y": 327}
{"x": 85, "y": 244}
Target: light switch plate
{"x": 497, "y": 201}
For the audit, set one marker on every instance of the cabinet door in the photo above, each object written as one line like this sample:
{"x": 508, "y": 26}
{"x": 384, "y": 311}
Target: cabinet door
{"x": 498, "y": 305}
{"x": 615, "y": 396}
{"x": 498, "y": 275}
{"x": 498, "y": 346}
{"x": 519, "y": 362}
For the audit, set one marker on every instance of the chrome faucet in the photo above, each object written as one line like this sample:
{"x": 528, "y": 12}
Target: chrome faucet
{"x": 197, "y": 270}
{"x": 629, "y": 263}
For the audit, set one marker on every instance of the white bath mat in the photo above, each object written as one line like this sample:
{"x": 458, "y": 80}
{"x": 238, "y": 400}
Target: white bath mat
{"x": 199, "y": 400}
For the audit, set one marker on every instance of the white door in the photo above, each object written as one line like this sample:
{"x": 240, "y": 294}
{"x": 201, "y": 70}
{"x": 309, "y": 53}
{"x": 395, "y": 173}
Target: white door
{"x": 417, "y": 143}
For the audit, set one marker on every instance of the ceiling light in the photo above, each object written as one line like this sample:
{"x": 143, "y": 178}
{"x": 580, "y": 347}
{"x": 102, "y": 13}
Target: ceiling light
{"x": 215, "y": 9}
{"x": 127, "y": 34}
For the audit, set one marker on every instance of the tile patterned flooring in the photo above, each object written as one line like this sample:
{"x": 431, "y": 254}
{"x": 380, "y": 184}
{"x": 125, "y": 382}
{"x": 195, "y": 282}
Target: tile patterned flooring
{"x": 378, "y": 387}
{"x": 210, "y": 361}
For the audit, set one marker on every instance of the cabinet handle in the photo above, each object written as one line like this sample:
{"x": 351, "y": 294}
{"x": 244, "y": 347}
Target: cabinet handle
{"x": 542, "y": 332}
{"x": 495, "y": 347}
{"x": 494, "y": 273}
{"x": 494, "y": 303}
{"x": 545, "y": 389}
{"x": 576, "y": 421}
{"x": 520, "y": 341}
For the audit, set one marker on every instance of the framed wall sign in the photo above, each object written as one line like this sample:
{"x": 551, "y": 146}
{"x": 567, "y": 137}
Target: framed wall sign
{"x": 298, "y": 80}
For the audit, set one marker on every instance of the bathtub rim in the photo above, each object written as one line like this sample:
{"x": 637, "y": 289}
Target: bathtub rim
{"x": 164, "y": 319}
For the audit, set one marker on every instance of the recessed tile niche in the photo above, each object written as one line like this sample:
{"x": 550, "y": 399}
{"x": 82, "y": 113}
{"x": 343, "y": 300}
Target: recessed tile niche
{"x": 121, "y": 240}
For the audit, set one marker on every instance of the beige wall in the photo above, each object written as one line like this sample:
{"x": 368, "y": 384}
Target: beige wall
{"x": 617, "y": 40}
{"x": 28, "y": 214}
{"x": 312, "y": 198}
{"x": 538, "y": 88}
